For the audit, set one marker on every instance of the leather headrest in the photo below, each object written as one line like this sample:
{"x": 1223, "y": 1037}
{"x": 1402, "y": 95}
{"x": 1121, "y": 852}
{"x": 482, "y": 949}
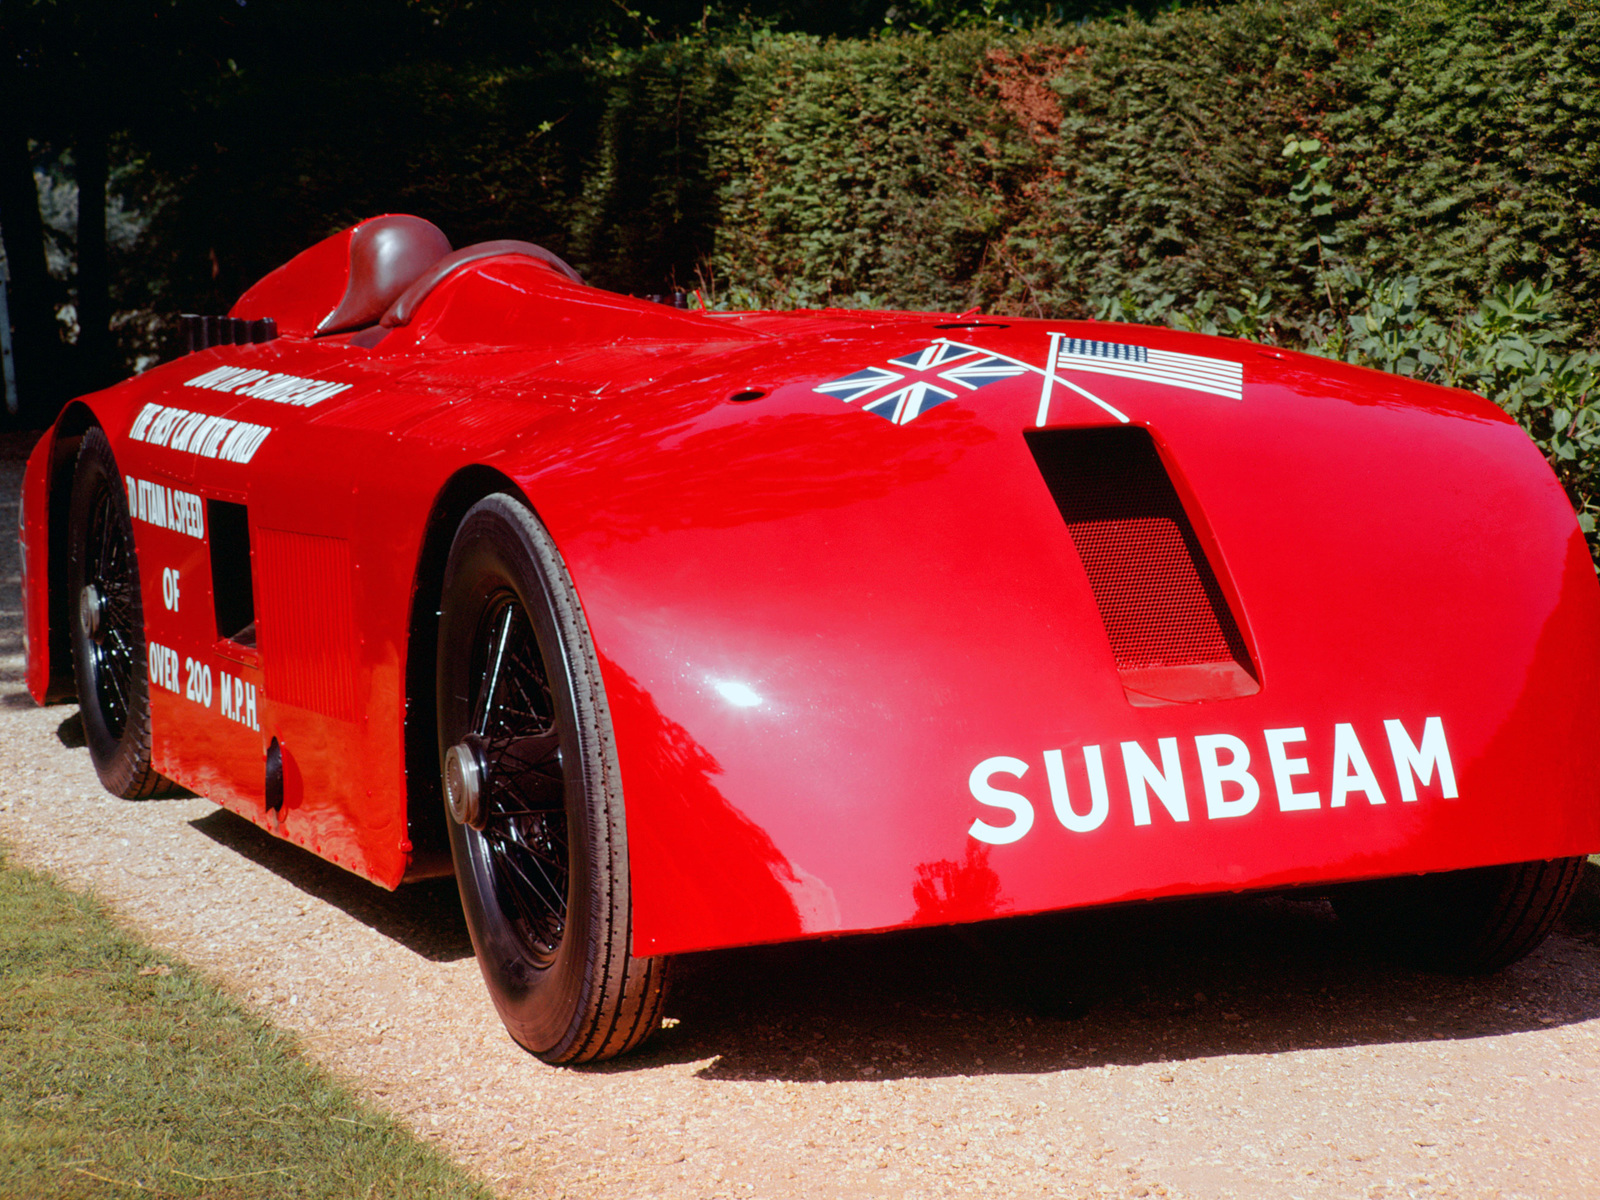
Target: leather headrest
{"x": 387, "y": 254}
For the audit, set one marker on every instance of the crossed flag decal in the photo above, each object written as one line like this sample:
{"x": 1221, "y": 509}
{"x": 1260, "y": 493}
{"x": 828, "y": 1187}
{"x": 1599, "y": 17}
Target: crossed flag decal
{"x": 914, "y": 383}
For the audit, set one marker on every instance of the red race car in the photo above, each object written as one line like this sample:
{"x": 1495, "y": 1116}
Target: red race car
{"x": 673, "y": 630}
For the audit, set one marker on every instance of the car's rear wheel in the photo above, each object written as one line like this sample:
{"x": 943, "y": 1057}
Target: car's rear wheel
{"x": 106, "y": 617}
{"x": 533, "y": 796}
{"x": 1463, "y": 922}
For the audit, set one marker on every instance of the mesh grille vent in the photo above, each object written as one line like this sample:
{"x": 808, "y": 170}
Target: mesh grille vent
{"x": 1171, "y": 632}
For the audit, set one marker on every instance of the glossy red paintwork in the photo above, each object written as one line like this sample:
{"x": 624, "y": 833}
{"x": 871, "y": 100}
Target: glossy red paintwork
{"x": 815, "y": 624}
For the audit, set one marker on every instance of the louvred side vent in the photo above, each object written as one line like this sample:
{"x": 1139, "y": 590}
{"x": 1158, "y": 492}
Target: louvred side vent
{"x": 1173, "y": 636}
{"x": 308, "y": 631}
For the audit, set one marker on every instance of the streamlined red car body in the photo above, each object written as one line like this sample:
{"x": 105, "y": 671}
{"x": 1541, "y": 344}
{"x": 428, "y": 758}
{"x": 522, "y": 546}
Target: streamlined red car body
{"x": 902, "y": 618}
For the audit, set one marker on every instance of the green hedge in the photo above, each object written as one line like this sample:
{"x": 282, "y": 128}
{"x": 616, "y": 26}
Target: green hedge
{"x": 1040, "y": 171}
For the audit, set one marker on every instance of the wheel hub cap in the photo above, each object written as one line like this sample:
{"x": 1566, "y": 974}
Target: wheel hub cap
{"x": 90, "y": 610}
{"x": 463, "y": 785}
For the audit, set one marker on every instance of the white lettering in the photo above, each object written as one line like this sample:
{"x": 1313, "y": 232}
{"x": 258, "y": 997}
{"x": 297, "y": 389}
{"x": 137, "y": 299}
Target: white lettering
{"x": 196, "y": 433}
{"x": 273, "y": 387}
{"x": 247, "y": 439}
{"x": 184, "y": 429}
{"x": 1351, "y": 771}
{"x": 1284, "y": 769}
{"x": 164, "y": 669}
{"x": 244, "y": 379}
{"x": 197, "y": 685}
{"x": 261, "y": 384}
{"x": 984, "y": 793}
{"x": 141, "y": 423}
{"x": 196, "y": 441}
{"x": 1421, "y": 759}
{"x": 166, "y": 507}
{"x": 1230, "y": 789}
{"x": 213, "y": 437}
{"x": 236, "y": 438}
{"x": 1167, "y": 783}
{"x": 161, "y": 428}
{"x": 297, "y": 391}
{"x": 320, "y": 393}
{"x": 169, "y": 589}
{"x": 1215, "y": 774}
{"x": 206, "y": 379}
{"x": 1099, "y": 799}
{"x": 236, "y": 699}
{"x": 167, "y": 425}
{"x": 191, "y": 431}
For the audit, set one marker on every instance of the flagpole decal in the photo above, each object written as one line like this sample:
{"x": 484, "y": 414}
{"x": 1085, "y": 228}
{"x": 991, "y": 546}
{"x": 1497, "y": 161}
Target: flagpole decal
{"x": 1050, "y": 378}
{"x": 1049, "y": 381}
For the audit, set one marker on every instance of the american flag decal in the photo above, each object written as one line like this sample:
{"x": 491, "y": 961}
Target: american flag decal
{"x": 913, "y": 383}
{"x": 1217, "y": 376}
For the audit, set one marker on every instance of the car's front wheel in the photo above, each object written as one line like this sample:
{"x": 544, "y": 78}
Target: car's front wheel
{"x": 533, "y": 795}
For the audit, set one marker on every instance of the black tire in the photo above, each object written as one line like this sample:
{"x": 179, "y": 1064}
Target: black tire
{"x": 1461, "y": 922}
{"x": 534, "y": 798}
{"x": 106, "y": 619}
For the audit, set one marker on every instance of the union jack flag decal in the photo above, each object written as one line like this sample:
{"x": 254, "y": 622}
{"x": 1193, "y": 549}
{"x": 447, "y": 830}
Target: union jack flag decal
{"x": 913, "y": 383}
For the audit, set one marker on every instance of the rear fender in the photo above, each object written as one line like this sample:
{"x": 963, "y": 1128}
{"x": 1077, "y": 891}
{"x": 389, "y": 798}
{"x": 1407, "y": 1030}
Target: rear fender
{"x": 42, "y": 521}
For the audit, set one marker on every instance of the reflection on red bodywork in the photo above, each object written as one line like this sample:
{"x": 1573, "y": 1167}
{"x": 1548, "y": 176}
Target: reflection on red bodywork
{"x": 702, "y": 472}
{"x": 948, "y": 891}
{"x": 752, "y": 897}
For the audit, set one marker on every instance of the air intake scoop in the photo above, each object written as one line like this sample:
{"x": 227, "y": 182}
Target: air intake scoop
{"x": 1172, "y": 633}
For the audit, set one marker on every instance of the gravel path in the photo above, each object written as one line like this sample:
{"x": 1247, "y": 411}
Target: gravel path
{"x": 1227, "y": 1048}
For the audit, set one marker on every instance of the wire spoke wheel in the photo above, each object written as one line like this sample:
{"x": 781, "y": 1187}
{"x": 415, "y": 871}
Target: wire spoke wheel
{"x": 532, "y": 790}
{"x": 107, "y": 625}
{"x": 108, "y": 568}
{"x": 524, "y": 820}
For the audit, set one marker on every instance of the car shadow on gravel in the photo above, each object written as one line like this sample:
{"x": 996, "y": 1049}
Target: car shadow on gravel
{"x": 70, "y": 732}
{"x": 1162, "y": 982}
{"x": 423, "y": 917}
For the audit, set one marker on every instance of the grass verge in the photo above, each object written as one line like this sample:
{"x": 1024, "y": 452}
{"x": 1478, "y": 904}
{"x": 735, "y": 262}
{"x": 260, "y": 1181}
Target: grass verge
{"x": 125, "y": 1073}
